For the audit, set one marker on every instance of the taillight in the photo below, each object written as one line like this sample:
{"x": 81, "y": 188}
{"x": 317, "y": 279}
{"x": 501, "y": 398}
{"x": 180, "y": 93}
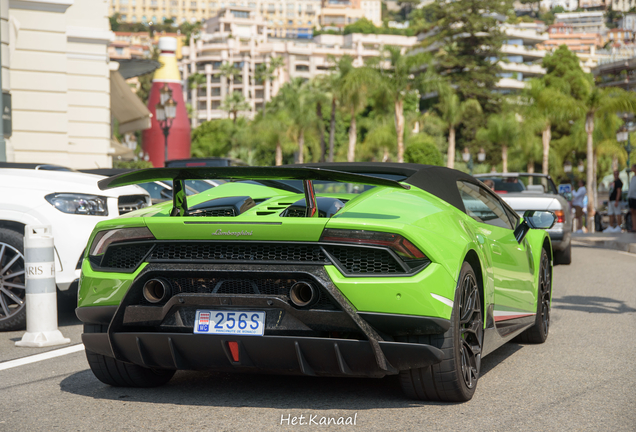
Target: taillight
{"x": 560, "y": 216}
{"x": 396, "y": 242}
{"x": 103, "y": 239}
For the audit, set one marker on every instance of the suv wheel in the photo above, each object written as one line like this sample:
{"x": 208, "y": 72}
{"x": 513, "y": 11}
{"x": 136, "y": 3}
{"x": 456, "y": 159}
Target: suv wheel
{"x": 12, "y": 281}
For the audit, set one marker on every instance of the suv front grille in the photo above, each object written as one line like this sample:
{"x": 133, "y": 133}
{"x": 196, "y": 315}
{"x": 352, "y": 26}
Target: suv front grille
{"x": 128, "y": 203}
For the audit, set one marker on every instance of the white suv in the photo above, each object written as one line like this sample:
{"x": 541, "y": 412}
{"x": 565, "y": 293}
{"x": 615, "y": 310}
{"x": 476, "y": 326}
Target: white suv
{"x": 71, "y": 203}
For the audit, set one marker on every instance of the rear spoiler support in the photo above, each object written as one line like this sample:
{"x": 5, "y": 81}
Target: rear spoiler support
{"x": 179, "y": 199}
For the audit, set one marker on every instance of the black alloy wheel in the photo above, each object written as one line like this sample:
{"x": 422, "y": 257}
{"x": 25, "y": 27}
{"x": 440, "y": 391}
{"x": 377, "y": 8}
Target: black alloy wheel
{"x": 545, "y": 284}
{"x": 455, "y": 378}
{"x": 538, "y": 333}
{"x": 12, "y": 282}
{"x": 471, "y": 326}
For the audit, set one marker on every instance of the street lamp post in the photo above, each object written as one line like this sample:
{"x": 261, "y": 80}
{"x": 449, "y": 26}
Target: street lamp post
{"x": 623, "y": 136}
{"x": 468, "y": 158}
{"x": 166, "y": 111}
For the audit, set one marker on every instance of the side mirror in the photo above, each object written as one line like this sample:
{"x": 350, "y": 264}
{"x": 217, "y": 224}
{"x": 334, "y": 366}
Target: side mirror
{"x": 536, "y": 220}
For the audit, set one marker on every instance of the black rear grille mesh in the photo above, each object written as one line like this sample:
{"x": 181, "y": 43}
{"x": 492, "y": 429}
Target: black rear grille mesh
{"x": 237, "y": 252}
{"x": 352, "y": 260}
{"x": 125, "y": 256}
{"x": 265, "y": 286}
{"x": 217, "y": 212}
{"x": 365, "y": 260}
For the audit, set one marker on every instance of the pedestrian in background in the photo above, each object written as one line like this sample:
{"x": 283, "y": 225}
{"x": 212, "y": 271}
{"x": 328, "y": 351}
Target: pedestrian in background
{"x": 577, "y": 202}
{"x": 631, "y": 198}
{"x": 614, "y": 204}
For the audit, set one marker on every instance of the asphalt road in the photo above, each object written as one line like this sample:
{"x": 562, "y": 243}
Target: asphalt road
{"x": 582, "y": 379}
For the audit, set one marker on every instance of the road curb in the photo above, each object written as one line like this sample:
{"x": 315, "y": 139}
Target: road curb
{"x": 605, "y": 244}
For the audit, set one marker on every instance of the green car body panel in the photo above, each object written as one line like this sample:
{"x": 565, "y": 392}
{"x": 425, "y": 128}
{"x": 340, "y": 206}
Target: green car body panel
{"x": 507, "y": 270}
{"x": 445, "y": 235}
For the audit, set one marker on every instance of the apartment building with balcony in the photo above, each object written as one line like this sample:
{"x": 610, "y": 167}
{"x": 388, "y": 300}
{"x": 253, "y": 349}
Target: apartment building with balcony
{"x": 583, "y": 22}
{"x": 337, "y": 14}
{"x": 568, "y": 5}
{"x": 243, "y": 40}
{"x": 521, "y": 59}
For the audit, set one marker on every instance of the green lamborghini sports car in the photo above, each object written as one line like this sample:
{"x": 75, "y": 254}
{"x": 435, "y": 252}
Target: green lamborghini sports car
{"x": 332, "y": 269}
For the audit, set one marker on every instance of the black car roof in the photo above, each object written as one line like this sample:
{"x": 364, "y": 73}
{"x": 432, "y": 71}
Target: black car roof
{"x": 436, "y": 180}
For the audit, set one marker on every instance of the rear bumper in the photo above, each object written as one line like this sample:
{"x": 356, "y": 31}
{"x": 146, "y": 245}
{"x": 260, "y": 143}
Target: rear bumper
{"x": 276, "y": 354}
{"x": 328, "y": 338}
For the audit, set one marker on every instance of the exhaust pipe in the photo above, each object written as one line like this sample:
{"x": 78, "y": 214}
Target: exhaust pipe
{"x": 303, "y": 294}
{"x": 157, "y": 290}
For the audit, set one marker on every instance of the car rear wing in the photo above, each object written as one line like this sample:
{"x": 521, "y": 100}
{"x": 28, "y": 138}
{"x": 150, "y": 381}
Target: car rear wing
{"x": 179, "y": 175}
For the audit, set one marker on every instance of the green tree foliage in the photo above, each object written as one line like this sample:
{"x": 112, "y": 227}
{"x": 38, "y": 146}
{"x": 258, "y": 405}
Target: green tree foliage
{"x": 422, "y": 149}
{"x": 234, "y": 103}
{"x": 502, "y": 132}
{"x": 213, "y": 138}
{"x": 398, "y": 82}
{"x": 296, "y": 99}
{"x": 468, "y": 36}
{"x": 140, "y": 164}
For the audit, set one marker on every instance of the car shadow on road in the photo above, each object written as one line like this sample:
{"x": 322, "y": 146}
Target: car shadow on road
{"x": 592, "y": 304}
{"x": 267, "y": 391}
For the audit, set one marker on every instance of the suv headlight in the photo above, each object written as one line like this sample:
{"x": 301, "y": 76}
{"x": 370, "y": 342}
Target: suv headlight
{"x": 79, "y": 203}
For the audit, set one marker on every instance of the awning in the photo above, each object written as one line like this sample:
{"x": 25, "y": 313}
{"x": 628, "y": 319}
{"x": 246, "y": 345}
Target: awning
{"x": 128, "y": 109}
{"x": 129, "y": 68}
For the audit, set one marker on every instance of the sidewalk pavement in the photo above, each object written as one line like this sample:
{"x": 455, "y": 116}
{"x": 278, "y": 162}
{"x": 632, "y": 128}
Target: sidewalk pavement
{"x": 618, "y": 241}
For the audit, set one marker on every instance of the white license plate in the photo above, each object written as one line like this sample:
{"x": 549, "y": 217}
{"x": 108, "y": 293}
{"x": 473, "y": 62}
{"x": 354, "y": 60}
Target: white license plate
{"x": 230, "y": 322}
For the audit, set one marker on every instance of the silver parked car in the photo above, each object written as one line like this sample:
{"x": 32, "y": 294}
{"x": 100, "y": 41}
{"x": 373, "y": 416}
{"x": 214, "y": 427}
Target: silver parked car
{"x": 529, "y": 191}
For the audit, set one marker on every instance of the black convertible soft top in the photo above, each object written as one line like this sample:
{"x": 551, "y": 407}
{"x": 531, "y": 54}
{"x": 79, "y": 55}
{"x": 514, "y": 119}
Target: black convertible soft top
{"x": 436, "y": 180}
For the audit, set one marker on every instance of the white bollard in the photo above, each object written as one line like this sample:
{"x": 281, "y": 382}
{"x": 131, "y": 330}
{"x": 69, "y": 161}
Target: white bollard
{"x": 41, "y": 292}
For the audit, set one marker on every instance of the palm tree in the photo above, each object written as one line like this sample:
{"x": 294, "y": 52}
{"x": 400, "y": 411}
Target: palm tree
{"x": 233, "y": 103}
{"x": 548, "y": 105}
{"x": 229, "y": 71}
{"x": 194, "y": 81}
{"x": 265, "y": 73}
{"x": 399, "y": 81}
{"x": 272, "y": 134}
{"x": 332, "y": 85}
{"x": 353, "y": 91}
{"x": 320, "y": 94}
{"x": 296, "y": 99}
{"x": 600, "y": 102}
{"x": 502, "y": 131}
{"x": 452, "y": 113}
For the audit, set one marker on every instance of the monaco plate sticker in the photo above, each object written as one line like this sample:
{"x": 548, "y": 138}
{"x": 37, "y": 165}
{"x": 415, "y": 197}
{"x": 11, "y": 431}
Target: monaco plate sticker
{"x": 247, "y": 323}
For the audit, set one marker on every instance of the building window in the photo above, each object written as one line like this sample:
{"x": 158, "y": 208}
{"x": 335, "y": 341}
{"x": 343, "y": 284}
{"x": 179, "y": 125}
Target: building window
{"x": 302, "y": 68}
{"x": 290, "y": 22}
{"x": 193, "y": 4}
{"x": 123, "y": 2}
{"x": 123, "y": 17}
{"x": 240, "y": 14}
{"x": 134, "y": 19}
{"x": 119, "y": 51}
{"x": 252, "y": 5}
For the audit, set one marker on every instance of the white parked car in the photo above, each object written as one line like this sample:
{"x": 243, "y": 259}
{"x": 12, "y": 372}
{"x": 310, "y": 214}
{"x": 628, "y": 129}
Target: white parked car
{"x": 71, "y": 203}
{"x": 534, "y": 191}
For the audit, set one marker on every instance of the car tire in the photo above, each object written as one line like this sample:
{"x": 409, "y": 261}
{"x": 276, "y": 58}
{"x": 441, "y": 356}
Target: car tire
{"x": 12, "y": 281}
{"x": 538, "y": 333}
{"x": 564, "y": 256}
{"x": 455, "y": 378}
{"x": 117, "y": 373}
